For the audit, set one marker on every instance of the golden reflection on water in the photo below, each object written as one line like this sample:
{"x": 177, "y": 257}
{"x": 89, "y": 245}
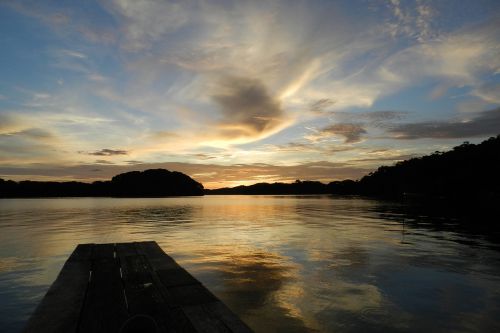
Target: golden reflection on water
{"x": 290, "y": 264}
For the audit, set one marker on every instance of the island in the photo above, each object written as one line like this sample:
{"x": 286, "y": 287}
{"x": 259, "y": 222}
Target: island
{"x": 148, "y": 183}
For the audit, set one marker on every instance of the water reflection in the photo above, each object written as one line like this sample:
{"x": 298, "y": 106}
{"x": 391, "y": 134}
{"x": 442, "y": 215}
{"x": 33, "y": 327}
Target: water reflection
{"x": 284, "y": 263}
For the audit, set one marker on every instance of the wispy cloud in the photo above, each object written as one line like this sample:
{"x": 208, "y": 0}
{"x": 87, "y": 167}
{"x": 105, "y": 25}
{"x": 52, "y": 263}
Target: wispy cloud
{"x": 103, "y": 162}
{"x": 458, "y": 58}
{"x": 489, "y": 92}
{"x": 412, "y": 19}
{"x": 28, "y": 145}
{"x": 73, "y": 54}
{"x": 483, "y": 124}
{"x": 197, "y": 81}
{"x": 106, "y": 152}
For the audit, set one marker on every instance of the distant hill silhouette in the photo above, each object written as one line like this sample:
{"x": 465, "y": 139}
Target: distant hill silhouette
{"x": 299, "y": 187}
{"x": 148, "y": 183}
{"x": 466, "y": 171}
{"x": 155, "y": 182}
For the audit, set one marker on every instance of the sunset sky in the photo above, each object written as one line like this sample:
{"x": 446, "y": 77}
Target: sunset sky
{"x": 239, "y": 92}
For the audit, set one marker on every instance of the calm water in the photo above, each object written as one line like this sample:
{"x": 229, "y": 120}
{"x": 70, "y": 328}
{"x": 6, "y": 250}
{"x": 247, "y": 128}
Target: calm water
{"x": 282, "y": 263}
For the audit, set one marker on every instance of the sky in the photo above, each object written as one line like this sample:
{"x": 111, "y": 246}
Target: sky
{"x": 240, "y": 92}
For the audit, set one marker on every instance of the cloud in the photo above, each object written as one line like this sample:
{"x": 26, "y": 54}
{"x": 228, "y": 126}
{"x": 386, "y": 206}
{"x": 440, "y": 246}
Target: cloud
{"x": 484, "y": 124}
{"x": 28, "y": 145}
{"x": 66, "y": 21}
{"x": 379, "y": 118}
{"x": 211, "y": 175}
{"x": 103, "y": 162}
{"x": 164, "y": 135}
{"x": 458, "y": 58}
{"x": 133, "y": 162}
{"x": 73, "y": 54}
{"x": 321, "y": 105}
{"x": 247, "y": 108}
{"x": 145, "y": 22}
{"x": 349, "y": 131}
{"x": 411, "y": 20}
{"x": 52, "y": 16}
{"x": 9, "y": 123}
{"x": 36, "y": 134}
{"x": 106, "y": 152}
{"x": 382, "y": 116}
{"x": 202, "y": 156}
{"x": 168, "y": 80}
{"x": 489, "y": 92}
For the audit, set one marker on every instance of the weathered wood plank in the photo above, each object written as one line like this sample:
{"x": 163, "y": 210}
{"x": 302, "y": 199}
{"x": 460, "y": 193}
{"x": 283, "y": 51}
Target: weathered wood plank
{"x": 59, "y": 310}
{"x": 125, "y": 249}
{"x": 175, "y": 277}
{"x": 205, "y": 312}
{"x": 194, "y": 294}
{"x": 129, "y": 279}
{"x": 220, "y": 310}
{"x": 157, "y": 258}
{"x": 143, "y": 297}
{"x": 203, "y": 321}
{"x": 105, "y": 308}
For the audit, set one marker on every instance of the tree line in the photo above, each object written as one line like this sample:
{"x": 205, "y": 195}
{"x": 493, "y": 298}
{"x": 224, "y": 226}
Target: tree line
{"x": 148, "y": 183}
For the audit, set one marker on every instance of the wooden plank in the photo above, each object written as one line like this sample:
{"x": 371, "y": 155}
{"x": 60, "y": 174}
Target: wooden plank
{"x": 105, "y": 308}
{"x": 233, "y": 322}
{"x": 129, "y": 279}
{"x": 125, "y": 249}
{"x": 176, "y": 277}
{"x": 215, "y": 317}
{"x": 205, "y": 312}
{"x": 156, "y": 258}
{"x": 203, "y": 321}
{"x": 143, "y": 297}
{"x": 59, "y": 310}
{"x": 155, "y": 255}
{"x": 194, "y": 294}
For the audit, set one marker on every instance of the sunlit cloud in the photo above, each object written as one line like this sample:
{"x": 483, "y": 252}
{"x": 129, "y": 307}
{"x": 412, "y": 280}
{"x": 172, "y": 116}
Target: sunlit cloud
{"x": 282, "y": 83}
{"x": 247, "y": 108}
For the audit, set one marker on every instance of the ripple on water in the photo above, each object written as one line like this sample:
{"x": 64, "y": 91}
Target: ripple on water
{"x": 283, "y": 263}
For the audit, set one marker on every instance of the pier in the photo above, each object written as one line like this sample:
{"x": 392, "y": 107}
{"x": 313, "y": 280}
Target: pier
{"x": 105, "y": 287}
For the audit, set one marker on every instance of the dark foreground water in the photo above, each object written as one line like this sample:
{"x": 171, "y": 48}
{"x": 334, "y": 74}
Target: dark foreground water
{"x": 282, "y": 263}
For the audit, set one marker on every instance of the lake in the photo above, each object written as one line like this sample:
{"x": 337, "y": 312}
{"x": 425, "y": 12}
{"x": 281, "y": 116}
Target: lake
{"x": 282, "y": 263}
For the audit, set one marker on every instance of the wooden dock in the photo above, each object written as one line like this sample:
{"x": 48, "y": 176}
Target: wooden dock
{"x": 101, "y": 286}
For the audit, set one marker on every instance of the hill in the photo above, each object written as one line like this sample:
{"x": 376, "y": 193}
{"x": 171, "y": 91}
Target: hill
{"x": 298, "y": 187}
{"x": 466, "y": 171}
{"x": 148, "y": 183}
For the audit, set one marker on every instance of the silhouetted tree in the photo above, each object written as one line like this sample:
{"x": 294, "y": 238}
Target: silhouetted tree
{"x": 298, "y": 187}
{"x": 465, "y": 171}
{"x": 157, "y": 182}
